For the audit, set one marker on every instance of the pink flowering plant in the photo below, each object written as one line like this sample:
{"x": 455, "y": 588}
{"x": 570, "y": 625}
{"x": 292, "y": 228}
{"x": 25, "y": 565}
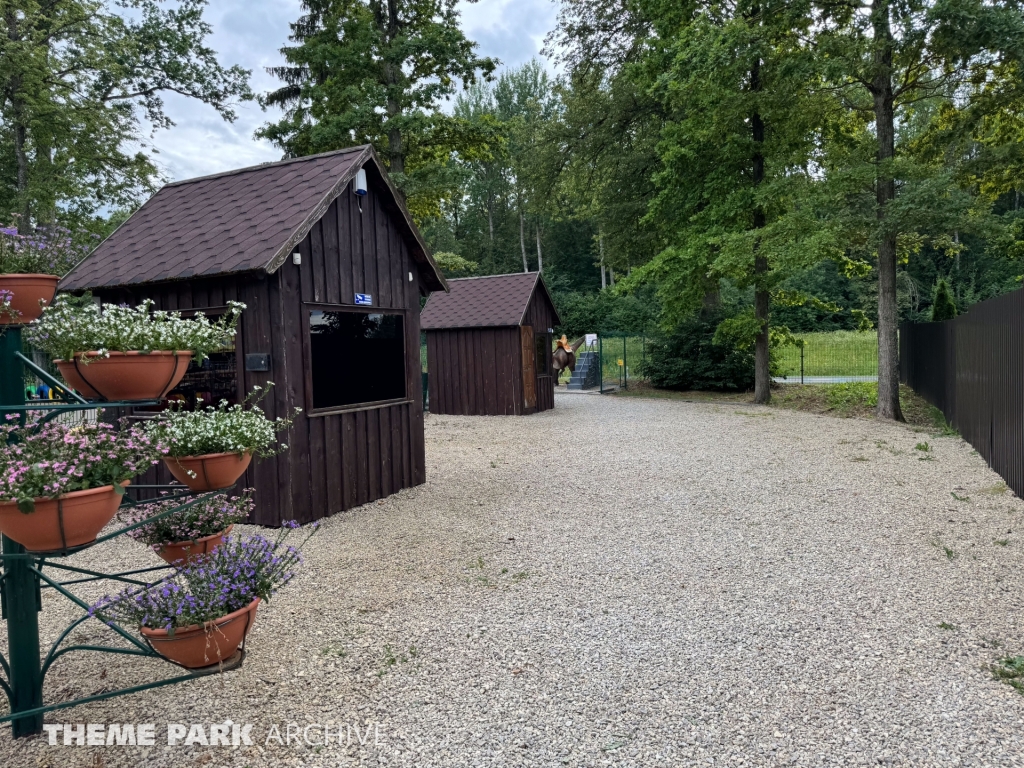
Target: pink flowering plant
{"x": 206, "y": 517}
{"x": 211, "y": 586}
{"x": 45, "y": 460}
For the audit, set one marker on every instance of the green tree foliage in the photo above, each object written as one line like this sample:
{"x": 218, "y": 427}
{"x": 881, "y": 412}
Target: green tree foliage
{"x": 606, "y": 311}
{"x": 77, "y": 80}
{"x": 734, "y": 198}
{"x": 368, "y": 71}
{"x": 453, "y": 265}
{"x": 943, "y": 307}
{"x": 897, "y": 66}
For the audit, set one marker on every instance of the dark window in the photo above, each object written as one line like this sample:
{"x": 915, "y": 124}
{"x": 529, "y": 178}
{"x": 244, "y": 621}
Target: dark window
{"x": 357, "y": 357}
{"x": 211, "y": 381}
{"x": 543, "y": 342}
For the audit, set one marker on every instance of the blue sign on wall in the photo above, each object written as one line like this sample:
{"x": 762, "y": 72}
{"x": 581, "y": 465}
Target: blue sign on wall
{"x": 364, "y": 298}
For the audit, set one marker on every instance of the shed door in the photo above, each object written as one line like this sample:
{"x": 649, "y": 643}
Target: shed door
{"x": 529, "y": 367}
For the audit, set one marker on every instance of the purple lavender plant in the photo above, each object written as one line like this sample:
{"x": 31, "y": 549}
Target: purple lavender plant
{"x": 209, "y": 587}
{"x": 50, "y": 251}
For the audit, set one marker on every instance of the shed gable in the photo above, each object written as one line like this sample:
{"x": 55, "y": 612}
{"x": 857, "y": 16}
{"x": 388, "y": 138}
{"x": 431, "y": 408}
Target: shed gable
{"x": 240, "y": 221}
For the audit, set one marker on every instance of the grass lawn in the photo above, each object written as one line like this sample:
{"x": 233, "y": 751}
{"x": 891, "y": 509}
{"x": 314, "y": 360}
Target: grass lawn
{"x": 855, "y": 400}
{"x": 839, "y": 353}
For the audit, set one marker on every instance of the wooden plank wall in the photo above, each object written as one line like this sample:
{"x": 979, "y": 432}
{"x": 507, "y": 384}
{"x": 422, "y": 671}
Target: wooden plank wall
{"x": 475, "y": 371}
{"x": 541, "y": 315}
{"x": 338, "y": 461}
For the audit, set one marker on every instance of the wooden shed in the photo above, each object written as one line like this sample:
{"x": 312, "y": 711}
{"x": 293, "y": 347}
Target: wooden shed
{"x": 332, "y": 282}
{"x": 489, "y": 346}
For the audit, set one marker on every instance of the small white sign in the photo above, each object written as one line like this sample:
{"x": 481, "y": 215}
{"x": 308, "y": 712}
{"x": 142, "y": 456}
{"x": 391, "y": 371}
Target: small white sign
{"x": 590, "y": 338}
{"x": 364, "y": 298}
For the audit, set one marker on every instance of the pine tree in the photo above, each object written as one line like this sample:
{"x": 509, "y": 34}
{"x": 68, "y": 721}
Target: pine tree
{"x": 943, "y": 307}
{"x": 370, "y": 71}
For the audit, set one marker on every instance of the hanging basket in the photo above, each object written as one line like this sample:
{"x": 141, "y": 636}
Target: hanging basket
{"x": 28, "y": 291}
{"x": 210, "y": 471}
{"x": 58, "y": 524}
{"x": 183, "y": 552}
{"x": 197, "y": 646}
{"x": 125, "y": 375}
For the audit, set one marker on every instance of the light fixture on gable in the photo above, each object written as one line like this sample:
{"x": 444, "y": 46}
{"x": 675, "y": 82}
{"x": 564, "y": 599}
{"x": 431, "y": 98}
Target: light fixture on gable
{"x": 359, "y": 187}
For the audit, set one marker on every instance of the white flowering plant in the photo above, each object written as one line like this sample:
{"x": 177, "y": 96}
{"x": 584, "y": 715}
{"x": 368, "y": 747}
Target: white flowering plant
{"x": 224, "y": 428}
{"x": 72, "y": 325}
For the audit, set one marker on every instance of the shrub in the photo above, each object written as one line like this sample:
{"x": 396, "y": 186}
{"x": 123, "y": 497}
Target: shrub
{"x": 943, "y": 308}
{"x": 690, "y": 358}
{"x": 851, "y": 394}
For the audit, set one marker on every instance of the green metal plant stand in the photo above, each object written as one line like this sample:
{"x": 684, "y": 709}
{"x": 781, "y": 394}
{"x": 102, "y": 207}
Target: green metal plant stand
{"x": 26, "y": 574}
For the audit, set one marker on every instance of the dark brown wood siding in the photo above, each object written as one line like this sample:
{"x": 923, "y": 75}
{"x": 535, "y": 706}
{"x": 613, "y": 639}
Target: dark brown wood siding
{"x": 338, "y": 460}
{"x": 479, "y": 371}
{"x": 475, "y": 372}
{"x": 541, "y": 315}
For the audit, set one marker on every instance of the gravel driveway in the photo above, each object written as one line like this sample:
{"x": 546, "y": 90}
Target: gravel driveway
{"x": 622, "y": 582}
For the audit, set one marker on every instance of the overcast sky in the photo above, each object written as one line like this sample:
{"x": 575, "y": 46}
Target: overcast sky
{"x": 251, "y": 32}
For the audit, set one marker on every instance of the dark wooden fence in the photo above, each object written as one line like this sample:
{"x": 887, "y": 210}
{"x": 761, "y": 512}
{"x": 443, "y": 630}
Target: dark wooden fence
{"x": 972, "y": 369}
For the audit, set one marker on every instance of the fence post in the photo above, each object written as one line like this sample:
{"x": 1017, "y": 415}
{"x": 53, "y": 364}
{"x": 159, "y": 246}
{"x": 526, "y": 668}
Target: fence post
{"x": 21, "y": 598}
{"x": 600, "y": 362}
{"x": 801, "y": 364}
{"x": 625, "y": 366}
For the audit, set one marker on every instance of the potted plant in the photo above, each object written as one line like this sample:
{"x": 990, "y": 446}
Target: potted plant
{"x": 209, "y": 449}
{"x": 30, "y": 266}
{"x": 191, "y": 532}
{"x": 60, "y": 484}
{"x": 201, "y": 614}
{"x": 117, "y": 352}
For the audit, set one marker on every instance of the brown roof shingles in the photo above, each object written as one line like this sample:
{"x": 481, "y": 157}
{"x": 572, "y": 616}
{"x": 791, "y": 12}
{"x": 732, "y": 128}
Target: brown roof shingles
{"x": 232, "y": 222}
{"x": 473, "y": 302}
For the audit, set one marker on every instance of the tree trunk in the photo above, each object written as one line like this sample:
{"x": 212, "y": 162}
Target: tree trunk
{"x": 19, "y": 122}
{"x": 522, "y": 241}
{"x": 392, "y": 77}
{"x": 611, "y": 277}
{"x": 762, "y": 351}
{"x": 600, "y": 248}
{"x": 885, "y": 192}
{"x": 540, "y": 256}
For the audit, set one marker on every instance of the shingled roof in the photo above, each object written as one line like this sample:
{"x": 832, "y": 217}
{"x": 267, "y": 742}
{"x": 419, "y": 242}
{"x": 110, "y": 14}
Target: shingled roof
{"x": 475, "y": 302}
{"x": 244, "y": 220}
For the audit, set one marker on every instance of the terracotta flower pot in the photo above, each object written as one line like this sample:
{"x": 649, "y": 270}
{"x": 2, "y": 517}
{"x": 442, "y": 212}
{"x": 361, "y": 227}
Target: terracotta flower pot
{"x": 212, "y": 471}
{"x": 181, "y": 552}
{"x": 125, "y": 375}
{"x": 84, "y": 514}
{"x": 201, "y": 646}
{"x": 28, "y": 291}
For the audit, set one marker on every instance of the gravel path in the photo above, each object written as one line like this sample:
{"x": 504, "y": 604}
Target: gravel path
{"x": 723, "y": 585}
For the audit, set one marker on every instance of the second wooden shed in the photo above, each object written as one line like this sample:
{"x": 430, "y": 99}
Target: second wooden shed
{"x": 489, "y": 346}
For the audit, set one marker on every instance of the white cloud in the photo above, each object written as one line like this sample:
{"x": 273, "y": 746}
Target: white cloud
{"x": 251, "y": 33}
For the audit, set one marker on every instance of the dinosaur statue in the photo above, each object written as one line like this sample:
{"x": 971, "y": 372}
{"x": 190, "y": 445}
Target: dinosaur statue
{"x": 564, "y": 356}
